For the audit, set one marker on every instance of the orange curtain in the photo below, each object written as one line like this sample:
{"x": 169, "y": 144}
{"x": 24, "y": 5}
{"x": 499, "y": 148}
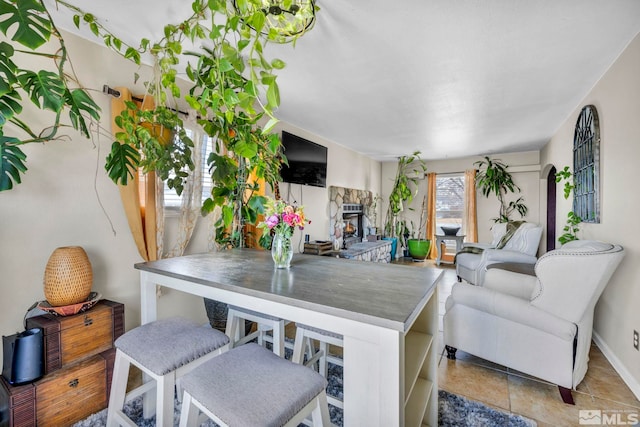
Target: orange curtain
{"x": 470, "y": 214}
{"x": 252, "y": 232}
{"x": 431, "y": 214}
{"x": 139, "y": 195}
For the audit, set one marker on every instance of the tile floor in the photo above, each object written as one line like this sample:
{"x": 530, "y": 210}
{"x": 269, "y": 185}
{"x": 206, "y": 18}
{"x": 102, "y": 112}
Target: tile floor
{"x": 505, "y": 389}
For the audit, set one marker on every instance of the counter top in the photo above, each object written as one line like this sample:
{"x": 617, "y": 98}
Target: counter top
{"x": 379, "y": 294}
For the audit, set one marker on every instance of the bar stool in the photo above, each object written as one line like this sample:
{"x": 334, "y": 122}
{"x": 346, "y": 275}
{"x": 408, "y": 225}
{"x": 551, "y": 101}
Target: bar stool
{"x": 164, "y": 350}
{"x": 304, "y": 344}
{"x": 235, "y": 329}
{"x": 251, "y": 386}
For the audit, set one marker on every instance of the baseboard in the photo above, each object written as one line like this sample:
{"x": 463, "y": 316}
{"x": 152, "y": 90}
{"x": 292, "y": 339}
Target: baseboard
{"x": 626, "y": 376}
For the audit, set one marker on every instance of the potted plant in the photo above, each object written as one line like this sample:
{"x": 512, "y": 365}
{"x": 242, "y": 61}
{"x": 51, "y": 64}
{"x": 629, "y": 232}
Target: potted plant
{"x": 494, "y": 178}
{"x": 419, "y": 247}
{"x": 410, "y": 170}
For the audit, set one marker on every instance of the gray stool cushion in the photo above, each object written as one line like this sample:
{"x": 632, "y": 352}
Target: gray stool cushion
{"x": 250, "y": 386}
{"x": 165, "y": 345}
{"x": 318, "y": 331}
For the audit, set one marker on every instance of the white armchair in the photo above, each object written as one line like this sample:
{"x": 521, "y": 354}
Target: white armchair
{"x": 521, "y": 248}
{"x": 540, "y": 325}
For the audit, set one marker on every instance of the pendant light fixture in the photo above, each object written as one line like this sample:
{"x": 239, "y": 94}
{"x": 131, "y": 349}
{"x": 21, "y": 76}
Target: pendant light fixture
{"x": 284, "y": 19}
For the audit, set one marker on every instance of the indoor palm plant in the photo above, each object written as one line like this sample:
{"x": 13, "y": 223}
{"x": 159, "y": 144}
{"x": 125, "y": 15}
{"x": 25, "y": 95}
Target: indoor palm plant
{"x": 494, "y": 178}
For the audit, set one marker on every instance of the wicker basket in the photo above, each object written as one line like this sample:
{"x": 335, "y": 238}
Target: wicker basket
{"x": 68, "y": 277}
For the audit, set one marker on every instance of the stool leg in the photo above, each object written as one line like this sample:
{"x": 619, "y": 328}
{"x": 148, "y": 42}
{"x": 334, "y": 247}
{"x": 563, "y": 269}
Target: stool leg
{"x": 118, "y": 387}
{"x": 320, "y": 414}
{"x": 164, "y": 400}
{"x": 298, "y": 348}
{"x": 232, "y": 330}
{"x": 324, "y": 366}
{"x": 278, "y": 339}
{"x": 188, "y": 412}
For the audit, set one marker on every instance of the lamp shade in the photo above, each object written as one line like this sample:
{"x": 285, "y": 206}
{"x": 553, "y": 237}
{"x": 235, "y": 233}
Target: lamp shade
{"x": 68, "y": 276}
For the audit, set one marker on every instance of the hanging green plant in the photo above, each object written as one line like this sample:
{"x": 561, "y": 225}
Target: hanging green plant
{"x": 28, "y": 24}
{"x": 227, "y": 81}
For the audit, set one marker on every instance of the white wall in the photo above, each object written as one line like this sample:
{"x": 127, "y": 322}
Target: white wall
{"x": 523, "y": 166}
{"x": 616, "y": 98}
{"x": 60, "y": 202}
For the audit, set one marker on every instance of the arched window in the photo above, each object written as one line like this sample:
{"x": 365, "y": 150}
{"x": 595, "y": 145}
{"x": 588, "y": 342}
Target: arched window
{"x": 586, "y": 165}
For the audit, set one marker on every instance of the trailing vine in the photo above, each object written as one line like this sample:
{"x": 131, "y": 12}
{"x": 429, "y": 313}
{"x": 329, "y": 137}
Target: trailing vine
{"x": 572, "y": 227}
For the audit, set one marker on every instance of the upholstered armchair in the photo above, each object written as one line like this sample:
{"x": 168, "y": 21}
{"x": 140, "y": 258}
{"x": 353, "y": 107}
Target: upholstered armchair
{"x": 540, "y": 325}
{"x": 521, "y": 247}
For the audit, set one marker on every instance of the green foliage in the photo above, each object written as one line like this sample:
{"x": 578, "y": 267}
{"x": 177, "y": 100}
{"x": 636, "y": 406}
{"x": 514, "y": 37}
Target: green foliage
{"x": 254, "y": 156}
{"x": 233, "y": 86}
{"x": 12, "y": 163}
{"x": 572, "y": 227}
{"x": 147, "y": 141}
{"x": 494, "y": 178}
{"x": 234, "y": 81}
{"x": 28, "y": 23}
{"x": 405, "y": 186}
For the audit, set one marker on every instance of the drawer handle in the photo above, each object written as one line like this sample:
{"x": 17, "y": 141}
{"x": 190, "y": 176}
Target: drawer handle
{"x": 88, "y": 321}
{"x": 73, "y": 383}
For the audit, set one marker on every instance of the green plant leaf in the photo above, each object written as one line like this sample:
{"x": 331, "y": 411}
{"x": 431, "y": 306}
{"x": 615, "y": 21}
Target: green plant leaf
{"x": 121, "y": 162}
{"x": 246, "y": 149}
{"x": 273, "y": 95}
{"x": 45, "y": 89}
{"x": 10, "y": 106}
{"x": 31, "y": 29}
{"x": 227, "y": 216}
{"x": 78, "y": 101}
{"x": 12, "y": 162}
{"x": 7, "y": 67}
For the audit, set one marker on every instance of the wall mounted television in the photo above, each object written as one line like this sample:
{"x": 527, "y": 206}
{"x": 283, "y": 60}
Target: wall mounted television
{"x": 307, "y": 161}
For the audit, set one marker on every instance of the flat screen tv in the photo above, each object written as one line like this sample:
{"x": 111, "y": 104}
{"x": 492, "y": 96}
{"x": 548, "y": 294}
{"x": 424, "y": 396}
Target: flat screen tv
{"x": 307, "y": 161}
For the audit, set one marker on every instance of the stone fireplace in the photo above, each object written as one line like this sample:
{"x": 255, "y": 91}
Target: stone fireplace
{"x": 350, "y": 217}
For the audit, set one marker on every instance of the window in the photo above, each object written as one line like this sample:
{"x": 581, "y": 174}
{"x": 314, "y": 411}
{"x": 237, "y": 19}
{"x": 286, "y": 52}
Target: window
{"x": 586, "y": 165}
{"x": 171, "y": 200}
{"x": 449, "y": 204}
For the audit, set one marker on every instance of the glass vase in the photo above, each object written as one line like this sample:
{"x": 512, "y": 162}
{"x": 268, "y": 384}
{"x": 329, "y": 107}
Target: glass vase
{"x": 281, "y": 251}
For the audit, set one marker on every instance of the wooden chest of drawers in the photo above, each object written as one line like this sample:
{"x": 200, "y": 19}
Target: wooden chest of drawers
{"x": 73, "y": 338}
{"x": 59, "y": 399}
{"x": 79, "y": 358}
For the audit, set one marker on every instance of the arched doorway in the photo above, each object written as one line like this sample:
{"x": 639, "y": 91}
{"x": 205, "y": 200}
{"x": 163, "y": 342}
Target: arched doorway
{"x": 551, "y": 209}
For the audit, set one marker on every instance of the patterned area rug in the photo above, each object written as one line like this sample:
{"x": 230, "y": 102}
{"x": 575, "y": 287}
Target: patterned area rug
{"x": 453, "y": 411}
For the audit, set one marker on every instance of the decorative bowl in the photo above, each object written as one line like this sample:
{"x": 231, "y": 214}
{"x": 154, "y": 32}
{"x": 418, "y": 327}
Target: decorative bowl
{"x": 69, "y": 310}
{"x": 450, "y": 231}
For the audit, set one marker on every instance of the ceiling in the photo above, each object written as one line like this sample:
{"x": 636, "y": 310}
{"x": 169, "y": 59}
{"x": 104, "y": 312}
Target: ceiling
{"x": 450, "y": 78}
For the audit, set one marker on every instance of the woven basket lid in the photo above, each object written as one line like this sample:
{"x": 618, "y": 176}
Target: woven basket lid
{"x": 68, "y": 276}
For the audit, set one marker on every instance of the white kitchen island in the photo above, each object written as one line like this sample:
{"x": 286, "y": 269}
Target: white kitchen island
{"x": 387, "y": 314}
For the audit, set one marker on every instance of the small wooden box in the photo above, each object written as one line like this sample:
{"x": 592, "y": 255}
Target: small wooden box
{"x": 59, "y": 399}
{"x": 318, "y": 247}
{"x": 73, "y": 338}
